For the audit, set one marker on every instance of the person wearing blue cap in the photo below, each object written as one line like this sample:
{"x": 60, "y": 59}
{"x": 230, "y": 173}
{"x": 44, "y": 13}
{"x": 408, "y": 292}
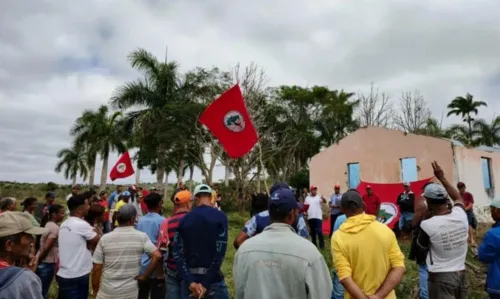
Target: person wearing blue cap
{"x": 261, "y": 220}
{"x": 443, "y": 239}
{"x": 200, "y": 244}
{"x": 489, "y": 252}
{"x": 268, "y": 265}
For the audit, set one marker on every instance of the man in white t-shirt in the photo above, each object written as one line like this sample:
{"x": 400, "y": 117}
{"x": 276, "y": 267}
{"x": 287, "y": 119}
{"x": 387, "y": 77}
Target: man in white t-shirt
{"x": 443, "y": 237}
{"x": 76, "y": 237}
{"x": 315, "y": 215}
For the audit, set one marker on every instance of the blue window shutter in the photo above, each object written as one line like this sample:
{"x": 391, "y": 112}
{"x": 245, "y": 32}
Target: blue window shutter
{"x": 353, "y": 173}
{"x": 485, "y": 169}
{"x": 409, "y": 171}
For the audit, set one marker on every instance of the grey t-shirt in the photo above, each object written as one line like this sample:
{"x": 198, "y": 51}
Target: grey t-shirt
{"x": 19, "y": 283}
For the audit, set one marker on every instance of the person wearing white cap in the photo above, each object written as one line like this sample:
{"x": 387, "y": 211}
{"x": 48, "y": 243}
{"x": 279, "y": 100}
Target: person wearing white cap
{"x": 489, "y": 252}
{"x": 406, "y": 202}
{"x": 16, "y": 240}
{"x": 443, "y": 239}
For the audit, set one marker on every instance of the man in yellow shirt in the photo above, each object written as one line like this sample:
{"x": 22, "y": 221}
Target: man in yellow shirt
{"x": 124, "y": 197}
{"x": 366, "y": 254}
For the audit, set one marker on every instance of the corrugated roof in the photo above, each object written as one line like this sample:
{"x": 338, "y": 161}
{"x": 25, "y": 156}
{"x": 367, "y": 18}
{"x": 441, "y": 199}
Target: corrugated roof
{"x": 488, "y": 148}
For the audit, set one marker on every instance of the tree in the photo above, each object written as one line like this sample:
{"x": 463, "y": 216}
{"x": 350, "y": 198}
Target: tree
{"x": 434, "y": 128}
{"x": 487, "y": 134}
{"x": 465, "y": 106}
{"x": 72, "y": 163}
{"x": 413, "y": 112}
{"x": 374, "y": 109}
{"x": 99, "y": 132}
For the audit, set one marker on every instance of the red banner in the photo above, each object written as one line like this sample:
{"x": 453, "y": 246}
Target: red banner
{"x": 388, "y": 194}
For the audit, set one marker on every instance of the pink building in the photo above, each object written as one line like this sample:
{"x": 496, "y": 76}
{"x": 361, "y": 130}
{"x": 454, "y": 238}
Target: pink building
{"x": 383, "y": 155}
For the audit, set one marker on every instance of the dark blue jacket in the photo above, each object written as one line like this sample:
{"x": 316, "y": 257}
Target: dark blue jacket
{"x": 489, "y": 253}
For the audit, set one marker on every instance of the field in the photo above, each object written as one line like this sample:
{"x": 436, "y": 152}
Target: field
{"x": 407, "y": 288}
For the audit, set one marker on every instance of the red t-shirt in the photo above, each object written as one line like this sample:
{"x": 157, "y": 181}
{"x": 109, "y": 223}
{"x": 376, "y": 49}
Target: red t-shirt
{"x": 372, "y": 203}
{"x": 104, "y": 204}
{"x": 468, "y": 199}
{"x": 145, "y": 193}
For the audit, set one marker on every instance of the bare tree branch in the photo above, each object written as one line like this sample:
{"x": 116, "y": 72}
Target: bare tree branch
{"x": 375, "y": 108}
{"x": 413, "y": 112}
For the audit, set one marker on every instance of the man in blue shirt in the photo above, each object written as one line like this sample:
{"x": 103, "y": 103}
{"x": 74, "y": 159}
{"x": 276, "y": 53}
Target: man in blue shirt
{"x": 113, "y": 199}
{"x": 489, "y": 252}
{"x": 200, "y": 247}
{"x": 334, "y": 206}
{"x": 154, "y": 287}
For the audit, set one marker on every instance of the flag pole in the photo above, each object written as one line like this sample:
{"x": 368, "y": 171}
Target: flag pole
{"x": 262, "y": 168}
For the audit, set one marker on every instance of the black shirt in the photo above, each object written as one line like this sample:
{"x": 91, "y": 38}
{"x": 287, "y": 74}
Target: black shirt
{"x": 406, "y": 202}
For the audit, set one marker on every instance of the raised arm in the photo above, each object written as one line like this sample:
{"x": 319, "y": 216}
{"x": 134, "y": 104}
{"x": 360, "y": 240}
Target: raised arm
{"x": 452, "y": 191}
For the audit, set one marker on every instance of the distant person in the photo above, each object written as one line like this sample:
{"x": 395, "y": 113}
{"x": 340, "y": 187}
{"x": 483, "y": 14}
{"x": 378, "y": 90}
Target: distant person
{"x": 29, "y": 206}
{"x": 277, "y": 263}
{"x": 259, "y": 203}
{"x": 76, "y": 240}
{"x": 183, "y": 202}
{"x": 8, "y": 204}
{"x": 116, "y": 269}
{"x": 42, "y": 209}
{"x": 180, "y": 187}
{"x": 489, "y": 252}
{"x": 103, "y": 202}
{"x": 123, "y": 199}
{"x": 16, "y": 240}
{"x": 199, "y": 256}
{"x": 405, "y": 201}
{"x": 443, "y": 239}
{"x": 372, "y": 202}
{"x": 154, "y": 286}
{"x": 469, "y": 210}
{"x": 95, "y": 218}
{"x": 365, "y": 253}
{"x": 315, "y": 216}
{"x": 334, "y": 206}
{"x": 48, "y": 255}
{"x": 113, "y": 199}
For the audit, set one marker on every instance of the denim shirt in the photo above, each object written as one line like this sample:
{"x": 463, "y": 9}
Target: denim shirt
{"x": 149, "y": 224}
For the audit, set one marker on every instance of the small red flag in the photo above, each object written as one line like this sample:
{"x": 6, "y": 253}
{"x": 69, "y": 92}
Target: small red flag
{"x": 228, "y": 120}
{"x": 123, "y": 168}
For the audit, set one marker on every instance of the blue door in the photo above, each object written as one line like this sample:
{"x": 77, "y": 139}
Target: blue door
{"x": 353, "y": 173}
{"x": 485, "y": 169}
{"x": 409, "y": 171}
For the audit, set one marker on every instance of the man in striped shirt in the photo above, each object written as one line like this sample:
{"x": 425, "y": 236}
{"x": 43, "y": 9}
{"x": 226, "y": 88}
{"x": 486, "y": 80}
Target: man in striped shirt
{"x": 116, "y": 259}
{"x": 183, "y": 203}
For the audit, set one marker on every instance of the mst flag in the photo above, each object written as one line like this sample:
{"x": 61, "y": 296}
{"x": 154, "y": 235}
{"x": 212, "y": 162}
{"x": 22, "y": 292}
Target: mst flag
{"x": 123, "y": 168}
{"x": 228, "y": 120}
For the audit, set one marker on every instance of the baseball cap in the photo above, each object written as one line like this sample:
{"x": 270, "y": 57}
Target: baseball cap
{"x": 126, "y": 213}
{"x": 125, "y": 193}
{"x": 495, "y": 202}
{"x": 202, "y": 188}
{"x": 368, "y": 186}
{"x": 435, "y": 192}
{"x": 12, "y": 223}
{"x": 283, "y": 199}
{"x": 313, "y": 187}
{"x": 183, "y": 197}
{"x": 460, "y": 185}
{"x": 351, "y": 199}
{"x": 278, "y": 185}
{"x": 336, "y": 186}
{"x": 50, "y": 195}
{"x": 406, "y": 184}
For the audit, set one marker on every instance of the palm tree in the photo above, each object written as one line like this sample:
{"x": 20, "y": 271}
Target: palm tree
{"x": 101, "y": 134}
{"x": 161, "y": 108}
{"x": 72, "y": 163}
{"x": 487, "y": 134}
{"x": 465, "y": 106}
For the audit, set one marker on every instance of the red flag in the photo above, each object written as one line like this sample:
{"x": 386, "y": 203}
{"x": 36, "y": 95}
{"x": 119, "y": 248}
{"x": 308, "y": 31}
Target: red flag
{"x": 228, "y": 120}
{"x": 123, "y": 168}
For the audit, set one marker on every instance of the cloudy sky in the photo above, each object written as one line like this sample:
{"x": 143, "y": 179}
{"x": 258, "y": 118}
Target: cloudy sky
{"x": 58, "y": 58}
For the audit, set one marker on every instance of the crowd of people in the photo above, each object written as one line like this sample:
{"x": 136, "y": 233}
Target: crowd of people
{"x": 123, "y": 246}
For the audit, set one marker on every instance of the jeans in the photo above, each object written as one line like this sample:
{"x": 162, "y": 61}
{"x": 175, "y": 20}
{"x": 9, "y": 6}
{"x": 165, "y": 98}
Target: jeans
{"x": 173, "y": 286}
{"x": 448, "y": 285}
{"x": 316, "y": 226}
{"x": 46, "y": 272}
{"x": 338, "y": 288}
{"x": 217, "y": 290}
{"x": 333, "y": 218}
{"x": 106, "y": 227}
{"x": 152, "y": 287}
{"x": 403, "y": 218}
{"x": 423, "y": 276}
{"x": 73, "y": 288}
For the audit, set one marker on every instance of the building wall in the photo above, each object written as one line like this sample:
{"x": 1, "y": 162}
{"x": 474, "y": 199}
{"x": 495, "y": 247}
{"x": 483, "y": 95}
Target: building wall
{"x": 378, "y": 151}
{"x": 468, "y": 163}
